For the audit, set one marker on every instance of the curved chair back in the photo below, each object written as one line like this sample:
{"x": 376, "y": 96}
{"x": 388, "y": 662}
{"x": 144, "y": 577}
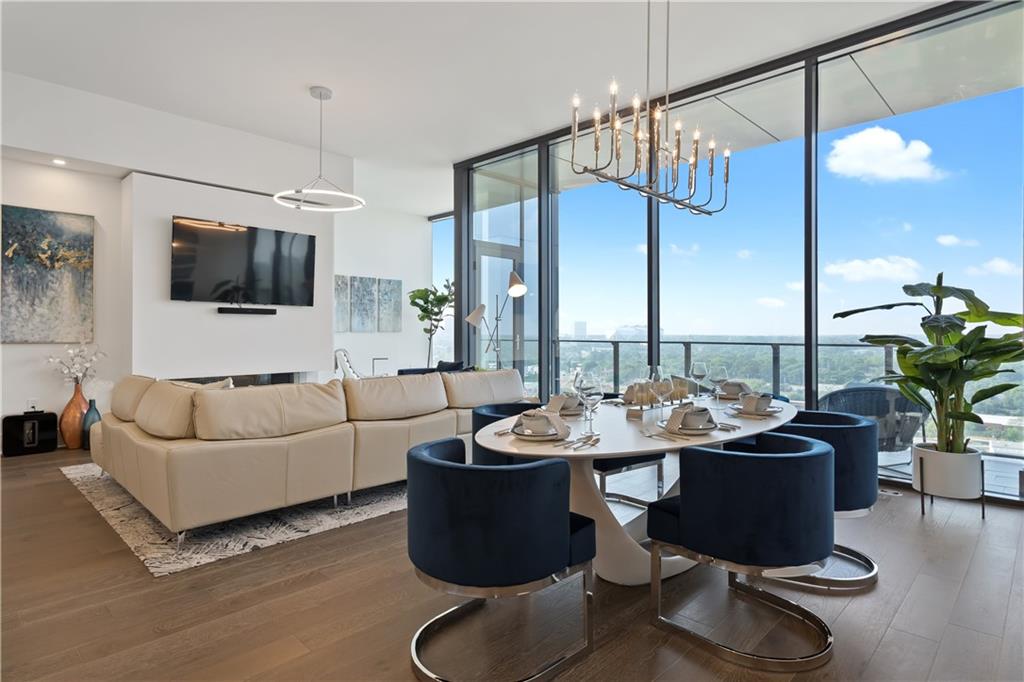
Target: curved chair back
{"x": 488, "y": 414}
{"x": 855, "y": 441}
{"x": 486, "y": 526}
{"x": 343, "y": 362}
{"x": 769, "y": 503}
{"x": 899, "y": 419}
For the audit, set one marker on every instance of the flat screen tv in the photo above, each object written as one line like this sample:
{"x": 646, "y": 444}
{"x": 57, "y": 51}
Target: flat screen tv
{"x": 215, "y": 261}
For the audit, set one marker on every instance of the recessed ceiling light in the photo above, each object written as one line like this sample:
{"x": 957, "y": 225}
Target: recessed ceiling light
{"x": 60, "y": 162}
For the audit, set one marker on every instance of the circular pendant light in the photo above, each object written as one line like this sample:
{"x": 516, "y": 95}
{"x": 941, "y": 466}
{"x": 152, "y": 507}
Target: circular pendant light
{"x": 320, "y": 194}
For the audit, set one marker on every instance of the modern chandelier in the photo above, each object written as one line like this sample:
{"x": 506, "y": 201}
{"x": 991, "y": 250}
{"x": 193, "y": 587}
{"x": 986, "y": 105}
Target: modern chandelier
{"x": 654, "y": 170}
{"x": 320, "y": 194}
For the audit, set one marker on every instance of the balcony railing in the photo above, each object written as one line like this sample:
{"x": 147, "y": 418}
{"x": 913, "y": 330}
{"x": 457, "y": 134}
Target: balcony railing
{"x": 774, "y": 347}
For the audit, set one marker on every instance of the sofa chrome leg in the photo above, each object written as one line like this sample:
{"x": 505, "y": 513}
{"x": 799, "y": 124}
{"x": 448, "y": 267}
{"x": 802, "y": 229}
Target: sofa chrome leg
{"x": 750, "y": 660}
{"x": 548, "y": 672}
{"x": 348, "y": 497}
{"x": 335, "y": 501}
{"x": 857, "y": 582}
{"x": 181, "y": 539}
{"x": 661, "y": 479}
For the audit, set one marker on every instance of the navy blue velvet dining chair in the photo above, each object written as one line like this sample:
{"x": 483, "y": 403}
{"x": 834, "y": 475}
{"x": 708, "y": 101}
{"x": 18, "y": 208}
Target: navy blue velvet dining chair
{"x": 761, "y": 508}
{"x": 489, "y": 532}
{"x": 855, "y": 441}
{"x": 488, "y": 414}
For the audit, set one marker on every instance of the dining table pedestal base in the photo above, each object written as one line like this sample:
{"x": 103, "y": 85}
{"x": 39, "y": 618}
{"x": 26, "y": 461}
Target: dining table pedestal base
{"x": 621, "y": 559}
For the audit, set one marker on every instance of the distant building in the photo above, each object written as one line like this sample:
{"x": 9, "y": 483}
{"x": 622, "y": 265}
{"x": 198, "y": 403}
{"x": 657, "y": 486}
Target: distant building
{"x": 579, "y": 329}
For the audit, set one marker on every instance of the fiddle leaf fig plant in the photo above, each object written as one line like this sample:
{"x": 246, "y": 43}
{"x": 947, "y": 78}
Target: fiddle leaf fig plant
{"x": 433, "y": 305}
{"x": 936, "y": 373}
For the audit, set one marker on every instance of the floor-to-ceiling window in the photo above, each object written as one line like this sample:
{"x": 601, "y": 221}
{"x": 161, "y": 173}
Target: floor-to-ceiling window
{"x": 920, "y": 155}
{"x": 504, "y": 240}
{"x": 442, "y": 243}
{"x": 600, "y": 234}
{"x": 732, "y": 283}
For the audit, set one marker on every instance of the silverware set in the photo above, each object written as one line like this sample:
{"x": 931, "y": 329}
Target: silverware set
{"x": 580, "y": 443}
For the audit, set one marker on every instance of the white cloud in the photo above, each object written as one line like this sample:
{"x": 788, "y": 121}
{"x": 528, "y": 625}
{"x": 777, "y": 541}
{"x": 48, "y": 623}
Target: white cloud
{"x": 996, "y": 266}
{"x": 769, "y": 302}
{"x": 744, "y": 254}
{"x": 907, "y": 227}
{"x": 892, "y": 268}
{"x": 953, "y": 240}
{"x": 882, "y": 155}
{"x": 641, "y": 248}
{"x": 692, "y": 250}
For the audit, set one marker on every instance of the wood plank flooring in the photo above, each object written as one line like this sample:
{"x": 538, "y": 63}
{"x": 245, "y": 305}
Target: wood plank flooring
{"x": 343, "y": 605}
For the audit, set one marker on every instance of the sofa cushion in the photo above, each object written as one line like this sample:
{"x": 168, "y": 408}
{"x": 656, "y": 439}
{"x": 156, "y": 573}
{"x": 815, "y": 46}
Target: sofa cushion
{"x": 127, "y": 393}
{"x": 472, "y": 389}
{"x": 165, "y": 411}
{"x": 394, "y": 397}
{"x": 268, "y": 411}
{"x": 223, "y": 383}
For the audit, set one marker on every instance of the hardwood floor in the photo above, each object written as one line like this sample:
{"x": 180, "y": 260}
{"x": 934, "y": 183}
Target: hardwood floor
{"x": 343, "y": 604}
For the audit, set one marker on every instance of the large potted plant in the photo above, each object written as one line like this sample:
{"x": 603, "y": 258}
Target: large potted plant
{"x": 432, "y": 306}
{"x": 937, "y": 374}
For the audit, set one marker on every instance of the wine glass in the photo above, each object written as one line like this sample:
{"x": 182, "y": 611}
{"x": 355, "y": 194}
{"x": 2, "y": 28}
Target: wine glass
{"x": 591, "y": 393}
{"x": 698, "y": 371}
{"x": 661, "y": 386}
{"x": 719, "y": 375}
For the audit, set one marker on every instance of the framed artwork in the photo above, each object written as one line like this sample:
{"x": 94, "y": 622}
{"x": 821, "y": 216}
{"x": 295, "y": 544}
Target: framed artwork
{"x": 389, "y": 305}
{"x": 363, "y": 294}
{"x": 46, "y": 293}
{"x": 342, "y": 303}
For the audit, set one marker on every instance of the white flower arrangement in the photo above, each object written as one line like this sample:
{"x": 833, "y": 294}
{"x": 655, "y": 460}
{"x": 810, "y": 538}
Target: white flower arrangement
{"x": 78, "y": 363}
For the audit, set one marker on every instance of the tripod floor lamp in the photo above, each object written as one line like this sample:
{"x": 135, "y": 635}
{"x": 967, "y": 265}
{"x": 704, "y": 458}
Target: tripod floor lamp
{"x": 516, "y": 289}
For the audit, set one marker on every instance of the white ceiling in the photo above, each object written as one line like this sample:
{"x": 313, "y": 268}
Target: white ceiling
{"x": 418, "y": 85}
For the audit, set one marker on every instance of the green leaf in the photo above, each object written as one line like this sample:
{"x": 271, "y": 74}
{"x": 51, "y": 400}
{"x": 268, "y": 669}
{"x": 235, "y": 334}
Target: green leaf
{"x": 886, "y": 306}
{"x": 935, "y": 355}
{"x": 919, "y": 289}
{"x": 965, "y": 417}
{"x": 913, "y": 395}
{"x": 989, "y": 391}
{"x": 942, "y": 325}
{"x": 1003, "y": 319}
{"x": 891, "y": 340}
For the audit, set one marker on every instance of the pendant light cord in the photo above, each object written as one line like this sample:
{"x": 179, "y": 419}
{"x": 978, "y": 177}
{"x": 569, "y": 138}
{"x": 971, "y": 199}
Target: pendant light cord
{"x": 320, "y": 170}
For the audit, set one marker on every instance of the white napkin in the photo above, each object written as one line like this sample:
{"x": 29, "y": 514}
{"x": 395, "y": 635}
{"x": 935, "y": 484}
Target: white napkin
{"x": 555, "y": 404}
{"x": 734, "y": 389}
{"x": 675, "y": 420}
{"x": 639, "y": 394}
{"x": 533, "y": 422}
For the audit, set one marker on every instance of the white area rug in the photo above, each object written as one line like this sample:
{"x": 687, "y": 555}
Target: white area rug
{"x": 157, "y": 546}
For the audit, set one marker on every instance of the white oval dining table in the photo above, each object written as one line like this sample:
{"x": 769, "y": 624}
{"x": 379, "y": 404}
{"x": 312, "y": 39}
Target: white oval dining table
{"x": 621, "y": 558}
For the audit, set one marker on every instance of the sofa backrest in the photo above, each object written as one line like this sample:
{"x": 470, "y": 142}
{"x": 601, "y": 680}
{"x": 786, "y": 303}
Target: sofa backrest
{"x": 127, "y": 393}
{"x": 268, "y": 411}
{"x": 165, "y": 410}
{"x": 472, "y": 389}
{"x": 411, "y": 395}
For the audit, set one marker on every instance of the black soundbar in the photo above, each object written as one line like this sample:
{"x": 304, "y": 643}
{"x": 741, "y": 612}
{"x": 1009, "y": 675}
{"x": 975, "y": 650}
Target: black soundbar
{"x": 234, "y": 310}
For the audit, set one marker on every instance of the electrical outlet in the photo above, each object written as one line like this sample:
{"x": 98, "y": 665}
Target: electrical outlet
{"x": 31, "y": 404}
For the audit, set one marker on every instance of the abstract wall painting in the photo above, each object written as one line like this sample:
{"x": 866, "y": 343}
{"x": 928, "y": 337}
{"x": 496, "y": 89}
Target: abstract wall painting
{"x": 342, "y": 303}
{"x": 46, "y": 290}
{"x": 389, "y": 304}
{"x": 363, "y": 292}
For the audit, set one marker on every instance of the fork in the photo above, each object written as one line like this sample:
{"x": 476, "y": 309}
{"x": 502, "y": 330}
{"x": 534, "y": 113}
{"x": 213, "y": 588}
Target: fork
{"x": 574, "y": 442}
{"x": 587, "y": 443}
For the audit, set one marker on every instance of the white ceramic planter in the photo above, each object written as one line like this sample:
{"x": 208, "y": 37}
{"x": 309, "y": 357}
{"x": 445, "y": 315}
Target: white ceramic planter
{"x": 948, "y": 474}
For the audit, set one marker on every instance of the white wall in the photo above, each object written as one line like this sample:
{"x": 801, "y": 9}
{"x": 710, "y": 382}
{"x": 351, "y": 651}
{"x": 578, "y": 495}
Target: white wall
{"x": 26, "y": 374}
{"x": 54, "y": 119}
{"x": 378, "y": 242}
{"x": 188, "y": 338}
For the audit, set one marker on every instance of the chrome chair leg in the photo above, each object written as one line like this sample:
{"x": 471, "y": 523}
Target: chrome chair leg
{"x": 858, "y": 582}
{"x": 661, "y": 479}
{"x": 725, "y": 652}
{"x": 548, "y": 672}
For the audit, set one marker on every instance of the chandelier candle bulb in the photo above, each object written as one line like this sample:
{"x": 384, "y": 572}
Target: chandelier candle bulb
{"x": 711, "y": 158}
{"x": 618, "y": 137}
{"x": 726, "y": 154}
{"x": 597, "y": 134}
{"x": 575, "y": 115}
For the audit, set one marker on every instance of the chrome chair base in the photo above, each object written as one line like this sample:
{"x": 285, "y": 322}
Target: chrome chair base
{"x": 725, "y": 652}
{"x": 858, "y": 582}
{"x": 480, "y": 597}
{"x": 602, "y": 478}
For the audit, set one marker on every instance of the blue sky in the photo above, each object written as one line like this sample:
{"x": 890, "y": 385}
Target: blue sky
{"x": 899, "y": 200}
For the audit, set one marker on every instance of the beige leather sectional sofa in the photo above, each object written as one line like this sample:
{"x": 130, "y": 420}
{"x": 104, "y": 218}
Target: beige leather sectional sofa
{"x": 195, "y": 456}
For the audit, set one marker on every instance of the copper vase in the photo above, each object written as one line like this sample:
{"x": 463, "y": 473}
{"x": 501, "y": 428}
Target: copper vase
{"x": 71, "y": 419}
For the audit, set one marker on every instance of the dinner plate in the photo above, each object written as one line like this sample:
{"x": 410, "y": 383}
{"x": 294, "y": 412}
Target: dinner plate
{"x": 689, "y": 431}
{"x": 773, "y": 409}
{"x": 522, "y": 434}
